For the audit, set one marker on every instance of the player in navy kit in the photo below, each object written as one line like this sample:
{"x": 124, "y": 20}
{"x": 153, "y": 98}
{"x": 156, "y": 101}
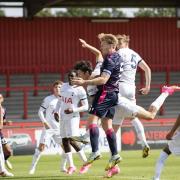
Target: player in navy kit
{"x": 105, "y": 99}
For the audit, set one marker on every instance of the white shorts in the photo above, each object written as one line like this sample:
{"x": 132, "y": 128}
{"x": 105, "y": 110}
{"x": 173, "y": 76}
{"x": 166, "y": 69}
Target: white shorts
{"x": 69, "y": 127}
{"x": 174, "y": 144}
{"x": 128, "y": 91}
{"x": 124, "y": 109}
{"x": 47, "y": 134}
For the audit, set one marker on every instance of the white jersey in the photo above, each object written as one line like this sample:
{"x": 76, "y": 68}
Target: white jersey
{"x": 131, "y": 59}
{"x": 174, "y": 144}
{"x": 70, "y": 98}
{"x": 49, "y": 105}
{"x": 92, "y": 89}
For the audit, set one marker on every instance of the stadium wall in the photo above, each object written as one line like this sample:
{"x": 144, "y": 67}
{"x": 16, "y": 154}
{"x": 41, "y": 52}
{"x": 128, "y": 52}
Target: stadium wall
{"x": 51, "y": 44}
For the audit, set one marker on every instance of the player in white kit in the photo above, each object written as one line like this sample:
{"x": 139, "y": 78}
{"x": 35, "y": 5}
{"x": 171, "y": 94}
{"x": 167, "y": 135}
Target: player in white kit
{"x": 73, "y": 101}
{"x": 3, "y": 171}
{"x": 127, "y": 87}
{"x": 51, "y": 126}
{"x": 173, "y": 147}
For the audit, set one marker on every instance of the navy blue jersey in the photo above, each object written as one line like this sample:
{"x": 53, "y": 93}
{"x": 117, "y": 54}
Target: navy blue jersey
{"x": 113, "y": 66}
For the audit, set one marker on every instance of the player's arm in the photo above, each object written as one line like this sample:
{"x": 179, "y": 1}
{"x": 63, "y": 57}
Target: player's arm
{"x": 174, "y": 128}
{"x": 96, "y": 81}
{"x": 95, "y": 51}
{"x": 143, "y": 65}
{"x": 41, "y": 111}
{"x": 42, "y": 117}
{"x": 84, "y": 106}
{"x": 57, "y": 110}
{"x": 102, "y": 79}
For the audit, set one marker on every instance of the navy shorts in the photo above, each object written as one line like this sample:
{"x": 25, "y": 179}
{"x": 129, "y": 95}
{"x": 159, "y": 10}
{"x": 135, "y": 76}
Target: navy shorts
{"x": 103, "y": 104}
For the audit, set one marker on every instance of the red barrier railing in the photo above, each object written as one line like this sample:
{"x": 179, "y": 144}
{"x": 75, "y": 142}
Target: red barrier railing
{"x": 8, "y": 71}
{"x": 25, "y": 91}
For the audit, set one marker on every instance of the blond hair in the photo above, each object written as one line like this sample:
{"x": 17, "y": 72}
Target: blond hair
{"x": 57, "y": 82}
{"x": 108, "y": 38}
{"x": 123, "y": 38}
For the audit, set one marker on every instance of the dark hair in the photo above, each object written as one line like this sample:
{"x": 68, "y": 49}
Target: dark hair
{"x": 72, "y": 71}
{"x": 57, "y": 82}
{"x": 85, "y": 66}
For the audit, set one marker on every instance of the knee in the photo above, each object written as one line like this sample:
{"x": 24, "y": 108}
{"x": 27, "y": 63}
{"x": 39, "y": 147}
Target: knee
{"x": 41, "y": 147}
{"x": 150, "y": 117}
{"x": 7, "y": 150}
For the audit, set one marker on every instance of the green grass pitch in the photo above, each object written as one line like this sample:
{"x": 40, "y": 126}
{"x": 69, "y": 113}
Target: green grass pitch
{"x": 133, "y": 167}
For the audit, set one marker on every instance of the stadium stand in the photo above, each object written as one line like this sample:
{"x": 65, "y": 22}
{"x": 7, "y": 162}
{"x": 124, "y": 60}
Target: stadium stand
{"x": 15, "y": 103}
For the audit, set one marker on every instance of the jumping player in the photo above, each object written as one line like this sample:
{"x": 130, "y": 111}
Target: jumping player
{"x": 127, "y": 87}
{"x": 105, "y": 98}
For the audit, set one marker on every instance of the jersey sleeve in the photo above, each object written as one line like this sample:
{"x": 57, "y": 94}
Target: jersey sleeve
{"x": 97, "y": 69}
{"x": 82, "y": 93}
{"x": 45, "y": 103}
{"x": 138, "y": 58}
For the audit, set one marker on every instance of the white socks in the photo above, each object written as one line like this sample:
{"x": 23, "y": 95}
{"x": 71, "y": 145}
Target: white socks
{"x": 82, "y": 155}
{"x": 140, "y": 131}
{"x": 2, "y": 166}
{"x": 160, "y": 100}
{"x": 160, "y": 164}
{"x": 63, "y": 162}
{"x": 36, "y": 158}
{"x": 70, "y": 159}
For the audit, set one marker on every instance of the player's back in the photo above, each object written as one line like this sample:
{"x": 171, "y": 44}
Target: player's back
{"x": 130, "y": 62}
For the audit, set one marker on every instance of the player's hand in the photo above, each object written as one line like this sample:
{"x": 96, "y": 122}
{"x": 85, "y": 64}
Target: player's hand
{"x": 56, "y": 116}
{"x": 144, "y": 91}
{"x": 68, "y": 111}
{"x": 46, "y": 125}
{"x": 77, "y": 81}
{"x": 169, "y": 136}
{"x": 83, "y": 42}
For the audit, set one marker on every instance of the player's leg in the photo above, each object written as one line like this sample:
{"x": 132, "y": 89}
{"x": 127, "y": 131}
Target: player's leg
{"x": 128, "y": 91}
{"x": 57, "y": 138}
{"x": 111, "y": 138}
{"x": 7, "y": 153}
{"x": 78, "y": 149}
{"x": 68, "y": 153}
{"x": 161, "y": 162}
{"x": 63, "y": 162}
{"x": 3, "y": 171}
{"x": 38, "y": 152}
{"x": 155, "y": 106}
{"x": 82, "y": 155}
{"x": 141, "y": 135}
{"x": 94, "y": 139}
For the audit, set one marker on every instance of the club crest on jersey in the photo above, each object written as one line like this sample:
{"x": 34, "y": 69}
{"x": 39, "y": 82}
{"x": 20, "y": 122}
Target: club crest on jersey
{"x": 66, "y": 100}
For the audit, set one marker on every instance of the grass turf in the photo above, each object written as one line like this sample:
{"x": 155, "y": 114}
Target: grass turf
{"x": 133, "y": 167}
